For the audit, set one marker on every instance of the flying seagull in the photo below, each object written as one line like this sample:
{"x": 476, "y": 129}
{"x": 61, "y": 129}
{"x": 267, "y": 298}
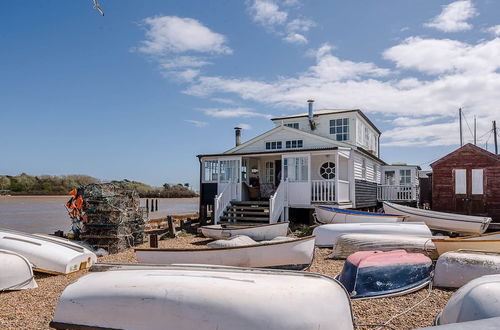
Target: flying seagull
{"x": 98, "y": 7}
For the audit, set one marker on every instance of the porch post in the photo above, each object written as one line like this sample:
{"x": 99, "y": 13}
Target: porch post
{"x": 337, "y": 164}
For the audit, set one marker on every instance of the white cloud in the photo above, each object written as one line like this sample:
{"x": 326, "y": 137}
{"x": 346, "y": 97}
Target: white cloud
{"x": 267, "y": 13}
{"x": 495, "y": 30}
{"x": 454, "y": 17}
{"x": 196, "y": 123}
{"x": 244, "y": 126}
{"x": 171, "y": 34}
{"x": 183, "y": 61}
{"x": 188, "y": 74}
{"x": 233, "y": 112}
{"x": 295, "y": 38}
{"x": 223, "y": 100}
{"x": 409, "y": 121}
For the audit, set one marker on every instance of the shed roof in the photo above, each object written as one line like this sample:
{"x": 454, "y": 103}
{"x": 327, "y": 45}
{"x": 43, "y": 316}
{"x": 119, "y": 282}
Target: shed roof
{"x": 472, "y": 147}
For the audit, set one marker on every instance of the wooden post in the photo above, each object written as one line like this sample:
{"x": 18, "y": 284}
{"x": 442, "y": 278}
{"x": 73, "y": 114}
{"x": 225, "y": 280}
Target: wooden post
{"x": 156, "y": 208}
{"x": 152, "y": 205}
{"x": 171, "y": 226}
{"x": 495, "y": 136}
{"x": 147, "y": 204}
{"x": 153, "y": 241}
{"x": 460, "y": 120}
{"x": 474, "y": 130}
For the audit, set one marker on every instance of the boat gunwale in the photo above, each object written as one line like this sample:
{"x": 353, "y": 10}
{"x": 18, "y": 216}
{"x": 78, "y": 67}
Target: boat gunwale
{"x": 225, "y": 248}
{"x": 468, "y": 237}
{"x": 222, "y": 228}
{"x": 485, "y": 220}
{"x": 364, "y": 213}
{"x": 45, "y": 238}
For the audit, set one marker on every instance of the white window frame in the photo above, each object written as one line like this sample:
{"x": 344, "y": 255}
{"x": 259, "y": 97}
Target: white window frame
{"x": 269, "y": 172}
{"x": 477, "y": 181}
{"x": 344, "y": 129}
{"x": 231, "y": 173}
{"x": 213, "y": 170}
{"x": 460, "y": 182}
{"x": 278, "y": 145}
{"x": 296, "y": 169}
{"x": 289, "y": 144}
{"x": 293, "y": 125}
{"x": 386, "y": 182}
{"x": 405, "y": 177}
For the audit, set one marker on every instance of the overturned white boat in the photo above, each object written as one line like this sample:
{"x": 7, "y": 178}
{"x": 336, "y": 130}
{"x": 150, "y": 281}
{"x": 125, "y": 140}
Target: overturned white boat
{"x": 327, "y": 214}
{"x": 183, "y": 297}
{"x": 483, "y": 324}
{"x": 483, "y": 242}
{"x": 455, "y": 269}
{"x": 327, "y": 235}
{"x": 15, "y": 272}
{"x": 450, "y": 222}
{"x": 257, "y": 233}
{"x": 290, "y": 254}
{"x": 348, "y": 244}
{"x": 476, "y": 300}
{"x": 47, "y": 254}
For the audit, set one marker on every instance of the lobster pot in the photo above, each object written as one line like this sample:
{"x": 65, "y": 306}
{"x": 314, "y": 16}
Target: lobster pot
{"x": 351, "y": 243}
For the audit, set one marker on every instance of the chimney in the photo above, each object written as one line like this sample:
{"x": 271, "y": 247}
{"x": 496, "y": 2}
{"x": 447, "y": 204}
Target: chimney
{"x": 237, "y": 134}
{"x": 310, "y": 109}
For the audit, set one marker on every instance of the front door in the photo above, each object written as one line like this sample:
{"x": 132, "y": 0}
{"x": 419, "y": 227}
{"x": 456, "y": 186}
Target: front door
{"x": 230, "y": 175}
{"x": 296, "y": 172}
{"x": 469, "y": 195}
{"x": 277, "y": 173}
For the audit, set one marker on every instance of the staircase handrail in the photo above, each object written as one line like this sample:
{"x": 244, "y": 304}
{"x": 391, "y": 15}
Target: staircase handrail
{"x": 221, "y": 201}
{"x": 277, "y": 202}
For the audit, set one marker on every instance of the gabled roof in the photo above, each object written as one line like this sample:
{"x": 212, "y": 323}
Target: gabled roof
{"x": 292, "y": 130}
{"x": 471, "y": 147}
{"x": 330, "y": 112}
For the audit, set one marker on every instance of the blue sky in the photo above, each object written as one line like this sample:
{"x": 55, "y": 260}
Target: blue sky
{"x": 139, "y": 92}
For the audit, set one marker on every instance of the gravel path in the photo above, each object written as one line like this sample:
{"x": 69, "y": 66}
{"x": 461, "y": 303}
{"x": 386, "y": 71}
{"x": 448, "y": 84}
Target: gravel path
{"x": 33, "y": 309}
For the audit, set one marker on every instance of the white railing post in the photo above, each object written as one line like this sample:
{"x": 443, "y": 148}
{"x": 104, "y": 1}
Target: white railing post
{"x": 397, "y": 193}
{"x": 222, "y": 200}
{"x": 277, "y": 202}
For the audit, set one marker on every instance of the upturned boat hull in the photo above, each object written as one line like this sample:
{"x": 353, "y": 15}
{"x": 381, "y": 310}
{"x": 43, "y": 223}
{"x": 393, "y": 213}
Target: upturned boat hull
{"x": 484, "y": 242}
{"x": 328, "y": 214}
{"x": 455, "y": 269}
{"x": 449, "y": 222}
{"x": 257, "y": 233}
{"x": 47, "y": 254}
{"x": 294, "y": 254}
{"x": 205, "y": 298}
{"x": 15, "y": 272}
{"x": 327, "y": 235}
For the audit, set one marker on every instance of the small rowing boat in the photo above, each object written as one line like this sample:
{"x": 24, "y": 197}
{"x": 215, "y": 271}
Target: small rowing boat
{"x": 483, "y": 242}
{"x": 450, "y": 222}
{"x": 457, "y": 268}
{"x": 377, "y": 274}
{"x": 327, "y": 235}
{"x": 47, "y": 254}
{"x": 479, "y": 299}
{"x": 16, "y": 272}
{"x": 290, "y": 254}
{"x": 183, "y": 297}
{"x": 350, "y": 243}
{"x": 483, "y": 324}
{"x": 257, "y": 233}
{"x": 327, "y": 214}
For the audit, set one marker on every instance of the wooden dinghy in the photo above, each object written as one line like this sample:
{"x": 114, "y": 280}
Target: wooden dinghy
{"x": 15, "y": 272}
{"x": 484, "y": 242}
{"x": 327, "y": 235}
{"x": 257, "y": 233}
{"x": 476, "y": 300}
{"x": 291, "y": 254}
{"x": 350, "y": 243}
{"x": 457, "y": 268}
{"x": 185, "y": 297}
{"x": 47, "y": 254}
{"x": 450, "y": 222}
{"x": 377, "y": 274}
{"x": 327, "y": 214}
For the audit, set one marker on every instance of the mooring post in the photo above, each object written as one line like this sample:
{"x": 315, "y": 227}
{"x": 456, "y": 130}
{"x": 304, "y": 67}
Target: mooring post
{"x": 156, "y": 204}
{"x": 147, "y": 204}
{"x": 152, "y": 205}
{"x": 153, "y": 241}
{"x": 171, "y": 226}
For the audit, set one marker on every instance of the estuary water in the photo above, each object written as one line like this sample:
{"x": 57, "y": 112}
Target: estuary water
{"x": 39, "y": 214}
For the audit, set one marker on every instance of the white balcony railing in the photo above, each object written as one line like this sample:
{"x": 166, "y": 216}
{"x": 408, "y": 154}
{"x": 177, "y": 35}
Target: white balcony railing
{"x": 323, "y": 191}
{"x": 396, "y": 193}
{"x": 222, "y": 200}
{"x": 277, "y": 202}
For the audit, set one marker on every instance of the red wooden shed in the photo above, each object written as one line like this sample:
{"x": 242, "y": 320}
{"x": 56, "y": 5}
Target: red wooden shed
{"x": 467, "y": 181}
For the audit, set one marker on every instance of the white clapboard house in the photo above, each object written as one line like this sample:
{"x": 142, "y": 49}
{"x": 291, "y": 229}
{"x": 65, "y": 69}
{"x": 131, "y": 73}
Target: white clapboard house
{"x": 321, "y": 157}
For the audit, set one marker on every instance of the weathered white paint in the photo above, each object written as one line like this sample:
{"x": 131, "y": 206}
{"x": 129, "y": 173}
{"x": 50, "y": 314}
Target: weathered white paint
{"x": 327, "y": 235}
{"x": 485, "y": 242}
{"x": 289, "y": 253}
{"x": 46, "y": 253}
{"x": 326, "y": 215}
{"x": 186, "y": 297}
{"x": 477, "y": 181}
{"x": 15, "y": 272}
{"x": 440, "y": 220}
{"x": 476, "y": 300}
{"x": 460, "y": 181}
{"x": 257, "y": 233}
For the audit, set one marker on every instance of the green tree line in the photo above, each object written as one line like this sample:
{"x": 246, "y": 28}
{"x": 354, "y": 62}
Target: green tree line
{"x": 25, "y": 184}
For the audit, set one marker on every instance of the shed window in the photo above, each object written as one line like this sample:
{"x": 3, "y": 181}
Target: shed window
{"x": 210, "y": 170}
{"x": 404, "y": 177}
{"x": 340, "y": 129}
{"x": 477, "y": 181}
{"x": 460, "y": 182}
{"x": 293, "y": 125}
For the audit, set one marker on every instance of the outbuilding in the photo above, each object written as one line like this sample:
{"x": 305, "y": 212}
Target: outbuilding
{"x": 467, "y": 181}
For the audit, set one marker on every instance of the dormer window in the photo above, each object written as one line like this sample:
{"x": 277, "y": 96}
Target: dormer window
{"x": 293, "y": 125}
{"x": 339, "y": 128}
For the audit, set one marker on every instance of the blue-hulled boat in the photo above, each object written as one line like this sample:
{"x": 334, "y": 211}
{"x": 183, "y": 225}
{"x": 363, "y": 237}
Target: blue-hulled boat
{"x": 327, "y": 214}
{"x": 377, "y": 274}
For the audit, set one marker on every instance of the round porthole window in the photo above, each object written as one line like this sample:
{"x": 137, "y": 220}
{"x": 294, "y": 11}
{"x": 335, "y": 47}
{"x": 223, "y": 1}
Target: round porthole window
{"x": 327, "y": 171}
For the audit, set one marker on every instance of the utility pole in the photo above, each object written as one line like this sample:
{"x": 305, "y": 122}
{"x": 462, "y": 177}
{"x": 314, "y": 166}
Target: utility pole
{"x": 495, "y": 136}
{"x": 474, "y": 130}
{"x": 460, "y": 120}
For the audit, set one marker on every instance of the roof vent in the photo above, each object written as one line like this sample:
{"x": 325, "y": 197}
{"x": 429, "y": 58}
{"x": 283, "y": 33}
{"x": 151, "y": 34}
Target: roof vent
{"x": 311, "y": 115}
{"x": 237, "y": 135}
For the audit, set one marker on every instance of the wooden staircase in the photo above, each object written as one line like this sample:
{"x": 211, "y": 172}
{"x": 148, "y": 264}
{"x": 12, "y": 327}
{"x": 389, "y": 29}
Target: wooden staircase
{"x": 246, "y": 212}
